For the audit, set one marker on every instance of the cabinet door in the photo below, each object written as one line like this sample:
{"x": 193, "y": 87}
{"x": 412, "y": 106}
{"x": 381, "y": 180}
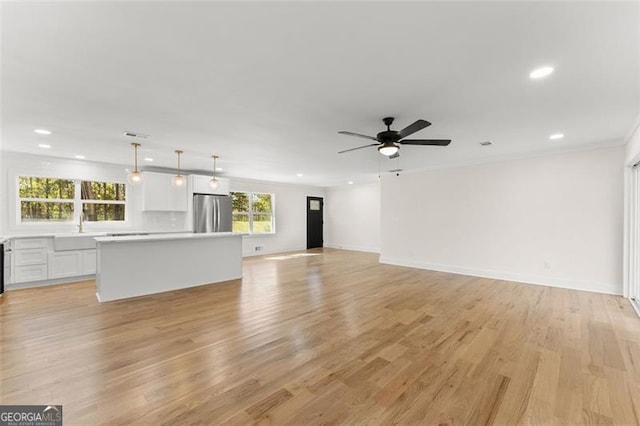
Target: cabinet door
{"x": 30, "y": 257}
{"x": 159, "y": 195}
{"x": 30, "y": 243}
{"x": 177, "y": 198}
{"x": 25, "y": 274}
{"x": 200, "y": 185}
{"x": 65, "y": 264}
{"x": 88, "y": 262}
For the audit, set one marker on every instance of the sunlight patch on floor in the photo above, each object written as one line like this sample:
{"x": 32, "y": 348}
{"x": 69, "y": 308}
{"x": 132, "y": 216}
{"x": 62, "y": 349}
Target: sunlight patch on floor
{"x": 292, "y": 256}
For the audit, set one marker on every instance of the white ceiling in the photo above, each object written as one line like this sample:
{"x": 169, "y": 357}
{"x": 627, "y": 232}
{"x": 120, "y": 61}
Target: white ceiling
{"x": 267, "y": 86}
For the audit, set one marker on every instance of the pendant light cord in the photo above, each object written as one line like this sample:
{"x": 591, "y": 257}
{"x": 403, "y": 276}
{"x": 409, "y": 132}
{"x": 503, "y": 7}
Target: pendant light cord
{"x": 179, "y": 152}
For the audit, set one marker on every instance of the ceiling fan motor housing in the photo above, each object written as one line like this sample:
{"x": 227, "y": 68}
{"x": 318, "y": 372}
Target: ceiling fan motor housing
{"x": 388, "y": 136}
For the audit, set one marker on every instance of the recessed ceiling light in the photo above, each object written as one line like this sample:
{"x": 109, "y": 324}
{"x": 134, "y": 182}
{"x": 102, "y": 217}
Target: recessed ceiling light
{"x": 149, "y": 159}
{"x": 299, "y": 175}
{"x": 556, "y": 136}
{"x": 541, "y": 72}
{"x": 44, "y": 145}
{"x": 79, "y": 157}
{"x": 42, "y": 131}
{"x": 350, "y": 182}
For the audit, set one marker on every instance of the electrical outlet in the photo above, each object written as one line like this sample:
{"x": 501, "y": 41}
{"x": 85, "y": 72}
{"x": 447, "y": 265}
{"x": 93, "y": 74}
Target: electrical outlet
{"x": 258, "y": 248}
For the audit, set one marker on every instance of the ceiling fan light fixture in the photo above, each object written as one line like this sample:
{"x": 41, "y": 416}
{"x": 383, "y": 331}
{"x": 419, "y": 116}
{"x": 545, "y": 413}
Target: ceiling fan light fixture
{"x": 388, "y": 149}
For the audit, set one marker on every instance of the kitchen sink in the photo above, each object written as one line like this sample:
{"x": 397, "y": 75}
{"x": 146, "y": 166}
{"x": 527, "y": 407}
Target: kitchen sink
{"x": 82, "y": 241}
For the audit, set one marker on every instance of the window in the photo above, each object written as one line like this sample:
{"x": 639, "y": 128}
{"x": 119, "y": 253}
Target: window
{"x": 102, "y": 201}
{"x": 262, "y": 217}
{"x": 252, "y": 212}
{"x": 44, "y": 199}
{"x": 240, "y": 206}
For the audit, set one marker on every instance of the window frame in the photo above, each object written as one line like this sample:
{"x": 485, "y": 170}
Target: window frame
{"x": 94, "y": 201}
{"x": 251, "y": 212}
{"x": 77, "y": 202}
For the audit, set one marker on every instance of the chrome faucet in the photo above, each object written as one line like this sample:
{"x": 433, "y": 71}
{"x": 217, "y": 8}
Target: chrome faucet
{"x": 80, "y": 225}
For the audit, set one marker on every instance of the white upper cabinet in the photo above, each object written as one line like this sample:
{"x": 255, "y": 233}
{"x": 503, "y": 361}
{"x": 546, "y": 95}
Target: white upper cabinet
{"x": 200, "y": 185}
{"x": 159, "y": 195}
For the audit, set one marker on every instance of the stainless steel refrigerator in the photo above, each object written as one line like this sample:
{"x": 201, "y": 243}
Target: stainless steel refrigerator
{"x": 211, "y": 213}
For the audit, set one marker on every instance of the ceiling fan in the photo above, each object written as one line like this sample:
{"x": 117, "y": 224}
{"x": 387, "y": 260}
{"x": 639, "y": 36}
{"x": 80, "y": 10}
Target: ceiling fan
{"x": 388, "y": 140}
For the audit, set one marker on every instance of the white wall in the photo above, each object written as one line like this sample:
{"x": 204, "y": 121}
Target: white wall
{"x": 353, "y": 217}
{"x": 291, "y": 216}
{"x": 554, "y": 220}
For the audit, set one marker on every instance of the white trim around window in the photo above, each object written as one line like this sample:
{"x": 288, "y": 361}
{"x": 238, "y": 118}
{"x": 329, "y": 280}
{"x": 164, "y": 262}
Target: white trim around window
{"x": 77, "y": 202}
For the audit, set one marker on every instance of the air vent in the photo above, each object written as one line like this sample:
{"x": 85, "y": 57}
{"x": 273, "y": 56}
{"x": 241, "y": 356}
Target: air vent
{"x": 136, "y": 135}
{"x": 486, "y": 143}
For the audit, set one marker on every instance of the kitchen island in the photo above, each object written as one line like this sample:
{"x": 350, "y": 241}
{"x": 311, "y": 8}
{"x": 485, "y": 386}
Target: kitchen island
{"x": 138, "y": 265}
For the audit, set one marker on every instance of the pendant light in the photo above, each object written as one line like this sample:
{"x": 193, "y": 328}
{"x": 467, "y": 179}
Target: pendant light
{"x": 135, "y": 177}
{"x": 213, "y": 182}
{"x": 178, "y": 180}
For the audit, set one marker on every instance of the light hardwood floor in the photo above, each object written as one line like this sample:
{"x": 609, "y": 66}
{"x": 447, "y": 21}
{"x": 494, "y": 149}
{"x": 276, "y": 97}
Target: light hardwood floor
{"x": 325, "y": 337}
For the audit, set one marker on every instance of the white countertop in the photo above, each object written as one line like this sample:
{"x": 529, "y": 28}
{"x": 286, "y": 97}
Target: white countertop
{"x": 88, "y": 234}
{"x": 161, "y": 237}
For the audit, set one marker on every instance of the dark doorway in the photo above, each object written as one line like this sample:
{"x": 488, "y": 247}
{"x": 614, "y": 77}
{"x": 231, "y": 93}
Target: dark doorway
{"x": 315, "y": 206}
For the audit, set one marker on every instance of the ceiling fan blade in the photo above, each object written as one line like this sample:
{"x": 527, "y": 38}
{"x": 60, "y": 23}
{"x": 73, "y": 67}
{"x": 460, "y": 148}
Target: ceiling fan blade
{"x": 360, "y": 147}
{"x": 396, "y": 155}
{"x": 435, "y": 142}
{"x": 358, "y": 135}
{"x": 412, "y": 128}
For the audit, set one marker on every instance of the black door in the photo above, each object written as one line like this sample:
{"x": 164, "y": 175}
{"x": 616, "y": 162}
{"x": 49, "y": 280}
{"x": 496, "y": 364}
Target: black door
{"x": 314, "y": 222}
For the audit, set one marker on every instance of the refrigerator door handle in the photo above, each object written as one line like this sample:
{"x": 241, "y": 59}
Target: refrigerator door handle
{"x": 214, "y": 215}
{"x": 218, "y": 215}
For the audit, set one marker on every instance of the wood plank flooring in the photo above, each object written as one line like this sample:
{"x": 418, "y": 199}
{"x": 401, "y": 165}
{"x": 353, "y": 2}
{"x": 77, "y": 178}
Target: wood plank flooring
{"x": 325, "y": 337}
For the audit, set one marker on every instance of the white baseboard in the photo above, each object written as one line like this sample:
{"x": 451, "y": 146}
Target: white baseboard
{"x": 44, "y": 283}
{"x": 353, "y": 248}
{"x": 635, "y": 303}
{"x": 263, "y": 252}
{"x": 596, "y": 287}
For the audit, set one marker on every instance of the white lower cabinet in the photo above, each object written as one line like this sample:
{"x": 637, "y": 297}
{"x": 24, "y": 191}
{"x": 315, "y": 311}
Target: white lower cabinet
{"x": 24, "y": 274}
{"x": 88, "y": 262}
{"x": 34, "y": 259}
{"x": 72, "y": 263}
{"x": 65, "y": 264}
{"x": 29, "y": 259}
{"x": 36, "y": 256}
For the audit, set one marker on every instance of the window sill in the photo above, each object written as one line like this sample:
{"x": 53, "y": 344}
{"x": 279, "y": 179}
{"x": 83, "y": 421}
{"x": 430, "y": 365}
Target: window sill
{"x": 270, "y": 234}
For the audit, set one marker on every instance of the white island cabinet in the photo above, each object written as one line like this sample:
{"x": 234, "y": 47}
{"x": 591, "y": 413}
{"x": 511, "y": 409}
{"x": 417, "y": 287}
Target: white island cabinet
{"x": 148, "y": 264}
